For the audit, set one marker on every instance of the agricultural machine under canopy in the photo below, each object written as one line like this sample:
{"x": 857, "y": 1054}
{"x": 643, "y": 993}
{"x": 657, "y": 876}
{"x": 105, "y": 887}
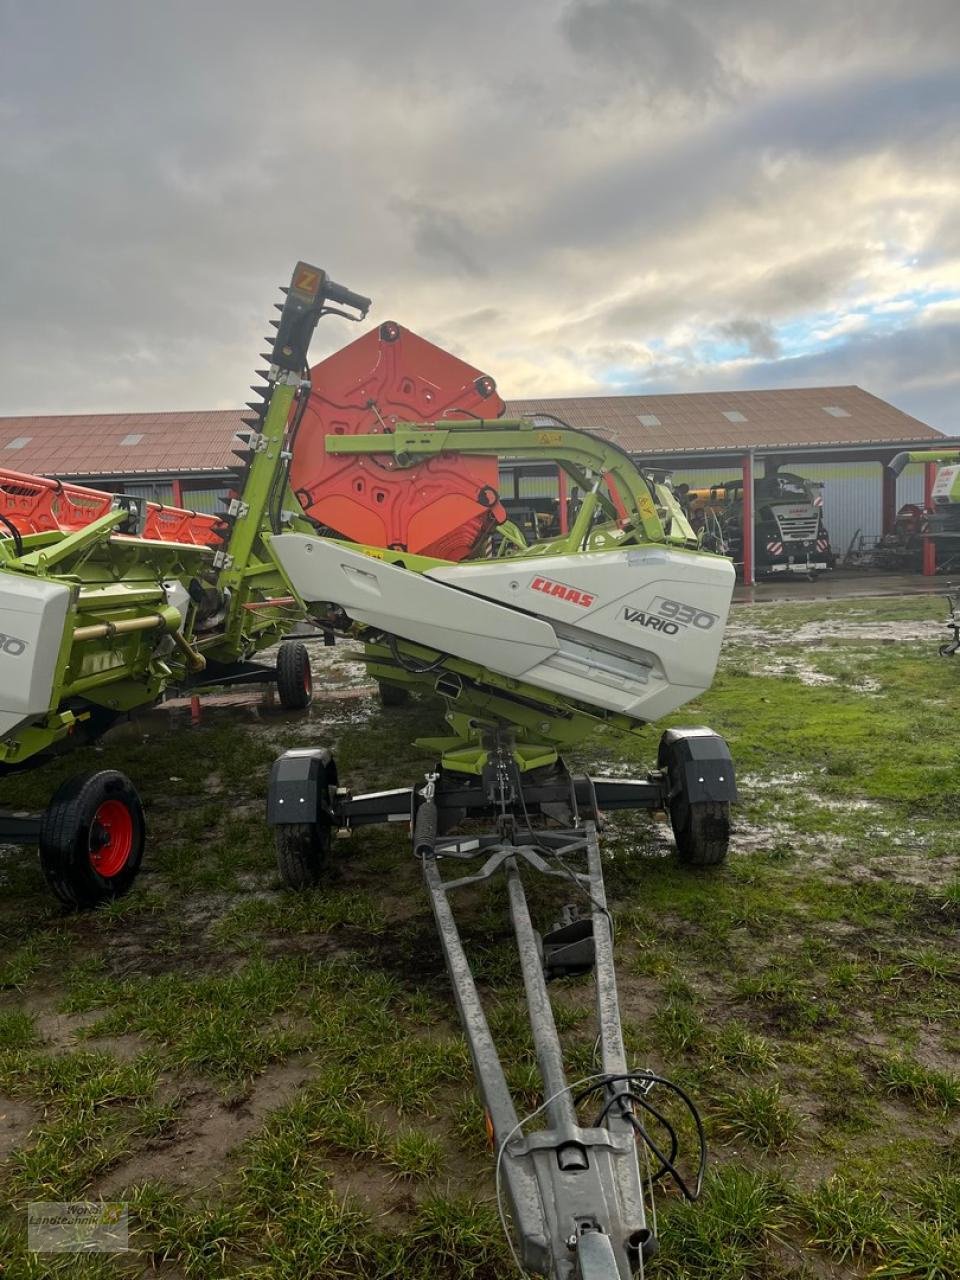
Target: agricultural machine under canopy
{"x": 370, "y": 504}
{"x": 941, "y": 525}
{"x": 790, "y": 536}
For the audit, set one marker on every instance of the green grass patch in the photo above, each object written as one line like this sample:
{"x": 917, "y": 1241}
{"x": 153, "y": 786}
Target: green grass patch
{"x": 769, "y": 988}
{"x": 926, "y": 1086}
{"x": 758, "y": 1113}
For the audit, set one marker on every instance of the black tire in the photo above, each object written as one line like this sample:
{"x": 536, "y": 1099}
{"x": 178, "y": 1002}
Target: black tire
{"x": 701, "y": 830}
{"x": 92, "y": 837}
{"x": 392, "y": 695}
{"x": 302, "y": 851}
{"x": 294, "y": 679}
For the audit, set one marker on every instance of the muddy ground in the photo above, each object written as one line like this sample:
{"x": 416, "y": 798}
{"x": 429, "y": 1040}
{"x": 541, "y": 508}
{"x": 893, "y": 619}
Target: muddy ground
{"x": 275, "y": 1084}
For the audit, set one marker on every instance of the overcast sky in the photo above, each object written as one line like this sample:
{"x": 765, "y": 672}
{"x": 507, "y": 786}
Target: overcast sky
{"x": 579, "y": 196}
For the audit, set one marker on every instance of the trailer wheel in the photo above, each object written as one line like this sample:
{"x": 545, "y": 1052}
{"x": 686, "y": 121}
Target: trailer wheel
{"x": 294, "y": 678}
{"x": 392, "y": 695}
{"x": 302, "y": 850}
{"x": 701, "y": 830}
{"x": 91, "y": 838}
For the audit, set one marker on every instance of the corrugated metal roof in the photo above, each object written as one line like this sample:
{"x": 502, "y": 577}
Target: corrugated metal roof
{"x": 709, "y": 419}
{"x": 102, "y": 444}
{"x": 120, "y": 444}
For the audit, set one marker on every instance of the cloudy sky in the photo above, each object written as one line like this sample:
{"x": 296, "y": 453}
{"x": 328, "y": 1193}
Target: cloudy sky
{"x": 579, "y": 196}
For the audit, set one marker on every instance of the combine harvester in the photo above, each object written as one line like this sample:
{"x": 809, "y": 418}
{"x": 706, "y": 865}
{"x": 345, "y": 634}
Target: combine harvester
{"x": 529, "y": 647}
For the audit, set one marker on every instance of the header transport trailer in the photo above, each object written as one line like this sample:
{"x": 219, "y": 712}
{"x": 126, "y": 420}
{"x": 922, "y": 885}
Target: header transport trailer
{"x": 371, "y": 506}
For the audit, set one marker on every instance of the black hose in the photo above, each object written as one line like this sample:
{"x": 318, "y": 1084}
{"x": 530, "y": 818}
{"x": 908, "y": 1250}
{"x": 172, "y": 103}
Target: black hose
{"x": 14, "y": 534}
{"x": 409, "y": 664}
{"x": 647, "y": 1078}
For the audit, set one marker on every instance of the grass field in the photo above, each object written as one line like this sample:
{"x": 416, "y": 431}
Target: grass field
{"x": 277, "y": 1086}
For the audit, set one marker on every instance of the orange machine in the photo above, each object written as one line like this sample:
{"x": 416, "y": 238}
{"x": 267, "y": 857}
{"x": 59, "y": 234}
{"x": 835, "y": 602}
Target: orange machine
{"x": 36, "y": 504}
{"x": 444, "y": 506}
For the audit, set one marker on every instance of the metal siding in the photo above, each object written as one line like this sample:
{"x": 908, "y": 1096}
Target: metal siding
{"x": 206, "y": 500}
{"x": 150, "y": 492}
{"x": 538, "y": 487}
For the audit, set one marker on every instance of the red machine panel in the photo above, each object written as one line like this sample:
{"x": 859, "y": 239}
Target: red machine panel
{"x": 440, "y": 507}
{"x": 173, "y": 524}
{"x": 35, "y": 504}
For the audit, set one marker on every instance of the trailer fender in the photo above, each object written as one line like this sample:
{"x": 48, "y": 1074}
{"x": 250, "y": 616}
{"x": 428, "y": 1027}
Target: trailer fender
{"x": 302, "y": 785}
{"x": 697, "y": 761}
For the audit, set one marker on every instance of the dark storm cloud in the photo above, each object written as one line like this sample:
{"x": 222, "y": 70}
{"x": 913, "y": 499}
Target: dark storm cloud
{"x": 655, "y": 46}
{"x": 544, "y": 187}
{"x": 808, "y": 281}
{"x": 441, "y": 237}
{"x": 757, "y": 337}
{"x": 917, "y": 367}
{"x": 678, "y": 182}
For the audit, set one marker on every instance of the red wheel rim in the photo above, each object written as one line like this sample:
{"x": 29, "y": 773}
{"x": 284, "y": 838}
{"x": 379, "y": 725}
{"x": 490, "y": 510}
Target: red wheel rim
{"x": 111, "y": 838}
{"x": 307, "y": 681}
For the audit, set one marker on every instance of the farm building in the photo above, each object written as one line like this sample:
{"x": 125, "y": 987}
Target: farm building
{"x": 840, "y": 437}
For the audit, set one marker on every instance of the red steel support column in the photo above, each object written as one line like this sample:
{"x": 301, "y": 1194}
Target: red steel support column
{"x": 178, "y": 493}
{"x": 929, "y": 549}
{"x": 562, "y": 500}
{"x": 748, "y": 529}
{"x": 888, "y": 500}
{"x": 615, "y": 498}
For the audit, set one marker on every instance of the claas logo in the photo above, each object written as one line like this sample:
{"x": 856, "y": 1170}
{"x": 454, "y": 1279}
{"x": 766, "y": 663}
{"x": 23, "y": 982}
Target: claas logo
{"x": 557, "y": 589}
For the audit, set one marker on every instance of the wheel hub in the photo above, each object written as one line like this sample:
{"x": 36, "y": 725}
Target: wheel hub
{"x": 111, "y": 838}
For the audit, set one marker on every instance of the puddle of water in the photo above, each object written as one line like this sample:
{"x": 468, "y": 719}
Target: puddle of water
{"x": 773, "y": 782}
{"x": 762, "y": 664}
{"x": 614, "y": 769}
{"x": 876, "y": 631}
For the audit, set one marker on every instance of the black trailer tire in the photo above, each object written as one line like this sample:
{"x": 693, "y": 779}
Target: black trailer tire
{"x": 302, "y": 849}
{"x": 392, "y": 695}
{"x": 701, "y": 830}
{"x": 294, "y": 678}
{"x": 92, "y": 836}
